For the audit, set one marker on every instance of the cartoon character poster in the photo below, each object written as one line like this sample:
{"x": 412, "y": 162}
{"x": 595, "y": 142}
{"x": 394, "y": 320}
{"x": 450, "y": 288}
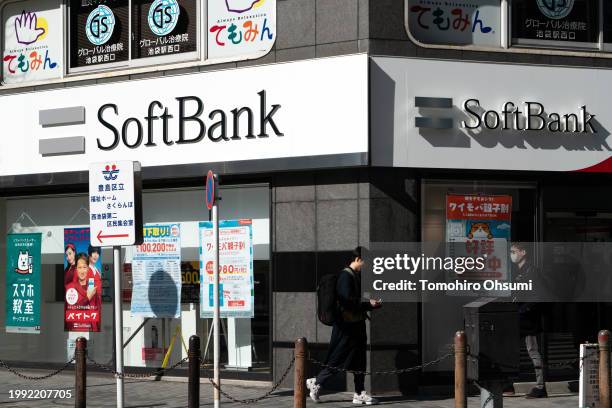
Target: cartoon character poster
{"x": 82, "y": 282}
{"x": 23, "y": 260}
{"x": 481, "y": 226}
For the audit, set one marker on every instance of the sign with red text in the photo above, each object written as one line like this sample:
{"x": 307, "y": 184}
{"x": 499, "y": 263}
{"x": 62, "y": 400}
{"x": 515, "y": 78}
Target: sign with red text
{"x": 115, "y": 203}
{"x": 480, "y": 225}
{"x": 235, "y": 271}
{"x": 33, "y": 41}
{"x": 156, "y": 272}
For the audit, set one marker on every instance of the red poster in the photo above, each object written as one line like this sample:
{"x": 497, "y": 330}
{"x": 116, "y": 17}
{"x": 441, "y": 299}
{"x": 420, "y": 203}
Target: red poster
{"x": 478, "y": 207}
{"x": 82, "y": 282}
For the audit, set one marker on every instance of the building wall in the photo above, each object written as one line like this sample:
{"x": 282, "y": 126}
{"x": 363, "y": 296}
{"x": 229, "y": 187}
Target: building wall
{"x": 317, "y": 220}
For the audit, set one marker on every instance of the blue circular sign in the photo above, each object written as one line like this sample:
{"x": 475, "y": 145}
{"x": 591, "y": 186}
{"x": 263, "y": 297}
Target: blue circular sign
{"x": 210, "y": 190}
{"x": 163, "y": 16}
{"x": 100, "y": 25}
{"x": 556, "y": 9}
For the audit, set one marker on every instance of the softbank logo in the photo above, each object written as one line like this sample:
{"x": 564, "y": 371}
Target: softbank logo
{"x": 526, "y": 116}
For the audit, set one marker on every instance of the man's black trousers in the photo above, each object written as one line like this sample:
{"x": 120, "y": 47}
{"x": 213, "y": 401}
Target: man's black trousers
{"x": 347, "y": 349}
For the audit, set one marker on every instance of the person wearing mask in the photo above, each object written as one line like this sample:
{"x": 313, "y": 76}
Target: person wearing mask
{"x": 348, "y": 344}
{"x": 530, "y": 318}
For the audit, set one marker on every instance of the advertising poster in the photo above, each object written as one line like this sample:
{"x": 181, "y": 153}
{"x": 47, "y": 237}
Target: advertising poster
{"x": 235, "y": 271}
{"x": 480, "y": 226}
{"x": 190, "y": 279}
{"x": 99, "y": 32}
{"x": 571, "y": 23}
{"x": 156, "y": 272}
{"x": 33, "y": 41}
{"x": 474, "y": 22}
{"x": 82, "y": 282}
{"x": 240, "y": 29}
{"x": 23, "y": 259}
{"x": 164, "y": 27}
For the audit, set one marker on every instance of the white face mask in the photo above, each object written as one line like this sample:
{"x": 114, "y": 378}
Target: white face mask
{"x": 514, "y": 258}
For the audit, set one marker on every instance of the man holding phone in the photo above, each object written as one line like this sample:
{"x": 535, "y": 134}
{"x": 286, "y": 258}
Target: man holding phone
{"x": 348, "y": 344}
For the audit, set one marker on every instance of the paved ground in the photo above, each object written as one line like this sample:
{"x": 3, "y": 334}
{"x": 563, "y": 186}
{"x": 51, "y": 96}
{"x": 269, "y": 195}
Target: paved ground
{"x": 167, "y": 394}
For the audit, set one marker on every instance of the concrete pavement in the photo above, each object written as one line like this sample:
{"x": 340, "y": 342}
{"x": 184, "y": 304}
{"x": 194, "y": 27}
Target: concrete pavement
{"x": 173, "y": 394}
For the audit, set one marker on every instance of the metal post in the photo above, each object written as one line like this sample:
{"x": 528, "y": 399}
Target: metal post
{"x": 460, "y": 367}
{"x": 604, "y": 368}
{"x": 193, "y": 391}
{"x": 80, "y": 373}
{"x": 118, "y": 324}
{"x": 216, "y": 300}
{"x": 299, "y": 377}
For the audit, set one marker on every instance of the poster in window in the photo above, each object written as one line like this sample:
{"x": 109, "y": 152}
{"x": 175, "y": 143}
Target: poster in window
{"x": 23, "y": 260}
{"x": 156, "y": 272}
{"x": 555, "y": 23}
{"x": 473, "y": 22}
{"x": 99, "y": 32}
{"x": 480, "y": 226}
{"x": 82, "y": 282}
{"x": 164, "y": 27}
{"x": 235, "y": 270}
{"x": 33, "y": 38}
{"x": 240, "y": 29}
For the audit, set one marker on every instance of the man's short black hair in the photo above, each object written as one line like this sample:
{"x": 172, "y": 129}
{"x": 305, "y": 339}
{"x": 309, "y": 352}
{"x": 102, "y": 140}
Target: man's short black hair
{"x": 519, "y": 245}
{"x": 356, "y": 253}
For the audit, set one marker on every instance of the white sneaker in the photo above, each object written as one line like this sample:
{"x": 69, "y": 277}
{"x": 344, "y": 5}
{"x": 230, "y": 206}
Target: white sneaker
{"x": 314, "y": 388}
{"x": 364, "y": 399}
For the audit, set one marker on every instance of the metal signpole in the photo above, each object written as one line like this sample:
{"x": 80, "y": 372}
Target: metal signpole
{"x": 212, "y": 204}
{"x": 118, "y": 324}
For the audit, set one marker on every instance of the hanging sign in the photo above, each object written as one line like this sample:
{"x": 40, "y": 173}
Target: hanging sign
{"x": 235, "y": 271}
{"x": 23, "y": 253}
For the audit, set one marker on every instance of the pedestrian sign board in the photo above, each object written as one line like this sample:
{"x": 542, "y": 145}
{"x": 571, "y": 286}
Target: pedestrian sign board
{"x": 115, "y": 203}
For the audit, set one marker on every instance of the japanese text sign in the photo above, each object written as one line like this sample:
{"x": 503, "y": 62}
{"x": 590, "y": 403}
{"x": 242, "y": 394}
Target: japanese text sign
{"x": 115, "y": 203}
{"x": 235, "y": 272}
{"x": 23, "y": 253}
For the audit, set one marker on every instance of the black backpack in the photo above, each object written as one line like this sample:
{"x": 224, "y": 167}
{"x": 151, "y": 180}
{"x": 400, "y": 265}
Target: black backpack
{"x": 327, "y": 304}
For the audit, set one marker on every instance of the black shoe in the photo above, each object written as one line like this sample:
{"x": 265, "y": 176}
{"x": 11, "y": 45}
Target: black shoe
{"x": 537, "y": 393}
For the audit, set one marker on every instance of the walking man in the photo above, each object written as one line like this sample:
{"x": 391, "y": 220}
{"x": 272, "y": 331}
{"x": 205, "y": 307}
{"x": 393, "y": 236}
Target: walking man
{"x": 348, "y": 344}
{"x": 530, "y": 316}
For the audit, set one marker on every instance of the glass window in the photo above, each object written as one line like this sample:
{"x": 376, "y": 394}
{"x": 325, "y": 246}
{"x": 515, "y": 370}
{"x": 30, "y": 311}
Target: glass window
{"x": 443, "y": 315}
{"x": 556, "y": 24}
{"x": 49, "y": 215}
{"x": 99, "y": 33}
{"x": 33, "y": 41}
{"x": 473, "y": 22}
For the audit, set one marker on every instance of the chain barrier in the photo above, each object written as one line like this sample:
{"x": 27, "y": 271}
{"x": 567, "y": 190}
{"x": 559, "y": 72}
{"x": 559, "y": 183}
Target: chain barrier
{"x": 34, "y": 377}
{"x": 158, "y": 372}
{"x": 247, "y": 401}
{"x": 387, "y": 372}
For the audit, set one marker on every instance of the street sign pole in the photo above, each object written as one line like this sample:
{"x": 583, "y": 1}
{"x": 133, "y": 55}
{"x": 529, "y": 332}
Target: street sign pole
{"x": 118, "y": 324}
{"x": 212, "y": 203}
{"x": 115, "y": 207}
{"x": 217, "y": 351}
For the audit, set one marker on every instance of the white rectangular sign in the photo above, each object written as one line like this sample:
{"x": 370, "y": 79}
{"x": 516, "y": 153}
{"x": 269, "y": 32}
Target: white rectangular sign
{"x": 113, "y": 204}
{"x": 33, "y": 41}
{"x": 490, "y": 116}
{"x": 190, "y": 118}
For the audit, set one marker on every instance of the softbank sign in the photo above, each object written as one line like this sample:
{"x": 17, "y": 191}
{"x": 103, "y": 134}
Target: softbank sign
{"x": 526, "y": 116}
{"x": 215, "y": 124}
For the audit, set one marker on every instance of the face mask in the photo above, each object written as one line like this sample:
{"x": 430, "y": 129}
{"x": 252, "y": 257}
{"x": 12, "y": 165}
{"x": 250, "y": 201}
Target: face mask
{"x": 514, "y": 258}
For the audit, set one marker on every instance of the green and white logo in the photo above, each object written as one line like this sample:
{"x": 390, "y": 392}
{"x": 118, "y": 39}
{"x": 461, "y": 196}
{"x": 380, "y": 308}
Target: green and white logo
{"x": 556, "y": 9}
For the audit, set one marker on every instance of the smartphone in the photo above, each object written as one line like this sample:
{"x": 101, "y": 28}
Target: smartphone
{"x": 90, "y": 283}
